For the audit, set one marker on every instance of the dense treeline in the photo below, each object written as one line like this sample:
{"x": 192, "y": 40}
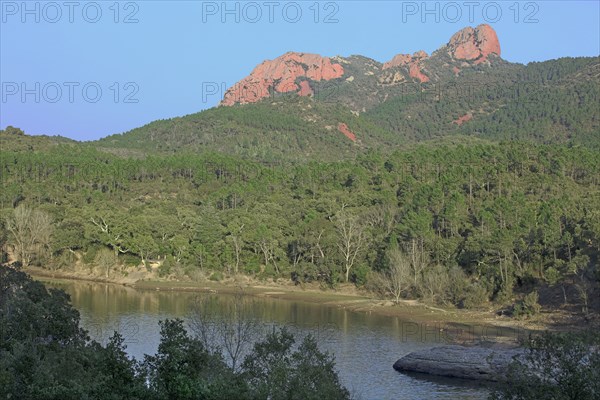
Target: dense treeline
{"x": 550, "y": 102}
{"x": 555, "y": 366}
{"x": 45, "y": 354}
{"x": 447, "y": 223}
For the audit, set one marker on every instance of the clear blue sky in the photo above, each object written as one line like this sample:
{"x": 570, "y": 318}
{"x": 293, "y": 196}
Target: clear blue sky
{"x": 175, "y": 47}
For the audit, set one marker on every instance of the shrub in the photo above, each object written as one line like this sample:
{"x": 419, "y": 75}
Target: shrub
{"x": 457, "y": 286}
{"x": 555, "y": 366}
{"x": 359, "y": 275}
{"x": 475, "y": 296}
{"x": 166, "y": 266}
{"x": 130, "y": 260}
{"x": 436, "y": 284}
{"x": 274, "y": 371}
{"x": 90, "y": 255}
{"x": 216, "y": 276}
{"x": 527, "y": 307}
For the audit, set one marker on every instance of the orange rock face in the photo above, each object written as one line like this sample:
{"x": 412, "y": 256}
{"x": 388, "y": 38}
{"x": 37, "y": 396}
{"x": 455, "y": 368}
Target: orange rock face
{"x": 399, "y": 60}
{"x": 342, "y": 127}
{"x": 280, "y": 75}
{"x": 463, "y": 119}
{"x": 412, "y": 62}
{"x": 305, "y": 89}
{"x": 474, "y": 44}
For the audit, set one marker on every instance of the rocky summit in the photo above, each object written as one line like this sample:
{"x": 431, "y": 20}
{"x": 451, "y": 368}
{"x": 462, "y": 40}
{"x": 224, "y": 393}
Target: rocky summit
{"x": 287, "y": 73}
{"x": 300, "y": 73}
{"x": 474, "y": 44}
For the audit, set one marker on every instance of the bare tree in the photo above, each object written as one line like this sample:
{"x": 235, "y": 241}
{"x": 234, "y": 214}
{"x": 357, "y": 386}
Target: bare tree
{"x": 112, "y": 239}
{"x": 106, "y": 259}
{"x": 436, "y": 283}
{"x": 382, "y": 217}
{"x": 418, "y": 259}
{"x": 236, "y": 239}
{"x": 226, "y": 328}
{"x": 352, "y": 238}
{"x": 396, "y": 280}
{"x": 30, "y": 233}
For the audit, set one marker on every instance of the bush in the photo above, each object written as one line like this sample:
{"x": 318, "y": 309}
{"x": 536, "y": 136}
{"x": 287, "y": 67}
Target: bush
{"x": 457, "y": 286}
{"x": 527, "y": 307}
{"x": 194, "y": 273}
{"x": 90, "y": 255}
{"x": 475, "y": 296}
{"x": 130, "y": 260}
{"x": 166, "y": 266}
{"x": 65, "y": 260}
{"x": 436, "y": 284}
{"x": 552, "y": 275}
{"x": 273, "y": 371}
{"x": 216, "y": 276}
{"x": 555, "y": 367}
{"x": 359, "y": 275}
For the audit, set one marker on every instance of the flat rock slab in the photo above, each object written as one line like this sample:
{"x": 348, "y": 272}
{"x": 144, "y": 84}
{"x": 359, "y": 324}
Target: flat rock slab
{"x": 477, "y": 363}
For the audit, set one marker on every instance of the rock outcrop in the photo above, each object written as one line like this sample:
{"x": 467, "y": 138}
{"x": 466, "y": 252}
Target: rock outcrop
{"x": 280, "y": 75}
{"x": 413, "y": 63}
{"x": 474, "y": 44}
{"x": 462, "y": 119}
{"x": 298, "y": 72}
{"x": 343, "y": 128}
{"x": 460, "y": 362}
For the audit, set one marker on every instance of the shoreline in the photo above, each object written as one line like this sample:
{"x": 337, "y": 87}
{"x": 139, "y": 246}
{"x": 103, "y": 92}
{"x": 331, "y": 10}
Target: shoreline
{"x": 464, "y": 324}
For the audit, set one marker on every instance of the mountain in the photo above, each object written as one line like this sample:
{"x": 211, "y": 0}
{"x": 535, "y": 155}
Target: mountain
{"x": 485, "y": 171}
{"x": 341, "y": 79}
{"x": 302, "y": 106}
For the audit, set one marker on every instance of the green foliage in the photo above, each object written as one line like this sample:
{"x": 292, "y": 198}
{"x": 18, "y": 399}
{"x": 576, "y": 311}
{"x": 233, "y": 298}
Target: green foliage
{"x": 166, "y": 267}
{"x": 557, "y": 367}
{"x": 474, "y": 296}
{"x": 90, "y": 254}
{"x": 216, "y": 276}
{"x": 550, "y": 102}
{"x": 44, "y": 354}
{"x": 11, "y": 130}
{"x": 528, "y": 306}
{"x": 182, "y": 368}
{"x": 360, "y": 274}
{"x": 508, "y": 216}
{"x": 274, "y": 371}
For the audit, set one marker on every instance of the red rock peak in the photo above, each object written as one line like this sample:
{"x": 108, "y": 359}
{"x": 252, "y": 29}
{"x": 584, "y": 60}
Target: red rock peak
{"x": 413, "y": 63}
{"x": 280, "y": 75}
{"x": 474, "y": 44}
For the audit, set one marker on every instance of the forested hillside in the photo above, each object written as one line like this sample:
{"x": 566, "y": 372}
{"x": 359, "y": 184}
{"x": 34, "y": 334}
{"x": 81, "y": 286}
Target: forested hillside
{"x": 550, "y": 102}
{"x": 458, "y": 222}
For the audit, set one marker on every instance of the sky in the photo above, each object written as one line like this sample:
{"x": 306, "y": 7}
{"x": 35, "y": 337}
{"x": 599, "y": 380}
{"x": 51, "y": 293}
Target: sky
{"x": 88, "y": 69}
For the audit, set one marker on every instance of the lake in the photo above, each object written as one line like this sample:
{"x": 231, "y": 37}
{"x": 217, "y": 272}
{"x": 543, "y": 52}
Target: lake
{"x": 365, "y": 345}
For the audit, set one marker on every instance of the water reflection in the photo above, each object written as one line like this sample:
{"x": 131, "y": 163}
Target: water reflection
{"x": 365, "y": 345}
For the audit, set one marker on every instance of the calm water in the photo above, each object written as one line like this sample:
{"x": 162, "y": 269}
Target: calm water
{"x": 365, "y": 345}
